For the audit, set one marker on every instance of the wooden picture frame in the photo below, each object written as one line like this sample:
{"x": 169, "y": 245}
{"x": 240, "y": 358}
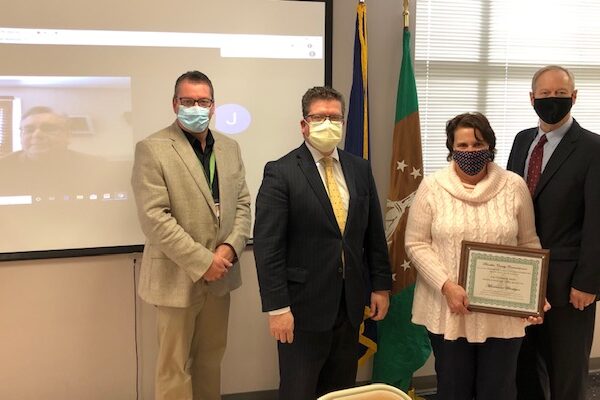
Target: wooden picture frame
{"x": 507, "y": 280}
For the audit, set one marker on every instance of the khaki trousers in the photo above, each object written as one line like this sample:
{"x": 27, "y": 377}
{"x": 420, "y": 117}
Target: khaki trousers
{"x": 191, "y": 343}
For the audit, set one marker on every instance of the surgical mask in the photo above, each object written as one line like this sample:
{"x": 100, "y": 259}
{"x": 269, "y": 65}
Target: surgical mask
{"x": 552, "y": 110}
{"x": 194, "y": 119}
{"x": 472, "y": 162}
{"x": 325, "y": 136}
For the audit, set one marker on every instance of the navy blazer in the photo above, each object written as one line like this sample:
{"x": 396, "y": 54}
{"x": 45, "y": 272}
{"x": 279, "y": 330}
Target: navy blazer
{"x": 567, "y": 210}
{"x": 298, "y": 244}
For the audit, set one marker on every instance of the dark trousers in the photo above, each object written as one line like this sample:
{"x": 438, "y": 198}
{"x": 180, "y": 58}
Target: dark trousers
{"x": 554, "y": 358}
{"x": 316, "y": 363}
{"x": 482, "y": 371}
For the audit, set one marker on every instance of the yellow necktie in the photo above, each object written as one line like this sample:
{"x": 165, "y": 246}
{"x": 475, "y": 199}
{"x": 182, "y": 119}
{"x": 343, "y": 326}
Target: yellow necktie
{"x": 334, "y": 194}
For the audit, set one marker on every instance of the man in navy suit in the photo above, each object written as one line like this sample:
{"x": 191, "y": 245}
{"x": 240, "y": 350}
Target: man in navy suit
{"x": 561, "y": 162}
{"x": 318, "y": 240}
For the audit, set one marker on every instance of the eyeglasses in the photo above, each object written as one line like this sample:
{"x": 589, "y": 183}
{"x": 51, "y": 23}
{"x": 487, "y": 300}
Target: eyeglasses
{"x": 190, "y": 102}
{"x": 45, "y": 128}
{"x": 321, "y": 118}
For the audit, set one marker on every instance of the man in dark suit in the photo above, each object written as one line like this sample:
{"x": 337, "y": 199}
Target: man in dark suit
{"x": 318, "y": 239}
{"x": 561, "y": 163}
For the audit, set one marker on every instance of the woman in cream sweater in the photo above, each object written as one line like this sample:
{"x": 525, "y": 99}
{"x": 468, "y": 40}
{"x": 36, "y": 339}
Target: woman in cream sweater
{"x": 472, "y": 199}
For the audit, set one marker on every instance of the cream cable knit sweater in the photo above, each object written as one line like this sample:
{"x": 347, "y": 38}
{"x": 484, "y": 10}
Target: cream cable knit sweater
{"x": 498, "y": 210}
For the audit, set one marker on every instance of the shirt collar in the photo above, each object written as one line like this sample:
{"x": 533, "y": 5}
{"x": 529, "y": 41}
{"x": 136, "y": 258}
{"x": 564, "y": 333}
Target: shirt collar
{"x": 317, "y": 156}
{"x": 557, "y": 134}
{"x": 194, "y": 141}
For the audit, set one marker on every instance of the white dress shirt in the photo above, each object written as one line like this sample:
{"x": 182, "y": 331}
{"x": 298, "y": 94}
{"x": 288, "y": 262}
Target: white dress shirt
{"x": 337, "y": 172}
{"x": 554, "y": 137}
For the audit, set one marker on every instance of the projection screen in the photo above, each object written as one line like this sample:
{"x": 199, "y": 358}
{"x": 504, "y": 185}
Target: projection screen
{"x": 82, "y": 82}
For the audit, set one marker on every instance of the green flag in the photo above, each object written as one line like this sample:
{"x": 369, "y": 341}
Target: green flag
{"x": 402, "y": 346}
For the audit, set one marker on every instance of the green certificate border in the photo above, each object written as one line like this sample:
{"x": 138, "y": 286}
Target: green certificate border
{"x": 534, "y": 263}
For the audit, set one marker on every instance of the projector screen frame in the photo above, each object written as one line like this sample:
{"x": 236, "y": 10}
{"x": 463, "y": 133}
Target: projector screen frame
{"x": 111, "y": 250}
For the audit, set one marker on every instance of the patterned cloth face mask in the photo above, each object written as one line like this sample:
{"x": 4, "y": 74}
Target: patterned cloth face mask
{"x": 472, "y": 162}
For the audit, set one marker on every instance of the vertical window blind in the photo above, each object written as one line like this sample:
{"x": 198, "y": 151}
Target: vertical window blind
{"x": 480, "y": 55}
{"x": 8, "y": 106}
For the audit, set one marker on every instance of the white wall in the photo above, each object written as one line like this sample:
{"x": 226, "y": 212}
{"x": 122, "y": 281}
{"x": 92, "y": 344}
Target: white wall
{"x": 67, "y": 326}
{"x": 67, "y": 329}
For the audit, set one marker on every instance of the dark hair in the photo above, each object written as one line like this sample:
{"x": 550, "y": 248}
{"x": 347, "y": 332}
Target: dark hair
{"x": 194, "y": 77}
{"x": 474, "y": 120}
{"x": 320, "y": 93}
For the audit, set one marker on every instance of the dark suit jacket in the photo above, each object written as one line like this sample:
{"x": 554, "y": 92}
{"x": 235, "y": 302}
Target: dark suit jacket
{"x": 298, "y": 244}
{"x": 567, "y": 210}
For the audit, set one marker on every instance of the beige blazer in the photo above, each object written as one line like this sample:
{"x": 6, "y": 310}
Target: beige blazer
{"x": 178, "y": 216}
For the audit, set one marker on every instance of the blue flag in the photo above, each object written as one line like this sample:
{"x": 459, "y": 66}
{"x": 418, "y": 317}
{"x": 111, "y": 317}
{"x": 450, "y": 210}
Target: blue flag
{"x": 357, "y": 126}
{"x": 357, "y": 142}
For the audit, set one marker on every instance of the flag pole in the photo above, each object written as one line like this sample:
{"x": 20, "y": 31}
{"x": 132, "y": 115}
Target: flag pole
{"x": 406, "y": 13}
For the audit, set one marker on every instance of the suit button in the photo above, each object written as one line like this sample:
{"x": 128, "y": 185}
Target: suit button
{"x": 340, "y": 270}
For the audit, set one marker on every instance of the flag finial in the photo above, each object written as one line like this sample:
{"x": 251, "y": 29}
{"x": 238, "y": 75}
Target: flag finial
{"x": 406, "y": 14}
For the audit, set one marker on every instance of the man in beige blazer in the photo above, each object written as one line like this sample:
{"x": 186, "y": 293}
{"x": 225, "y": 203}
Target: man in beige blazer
{"x": 194, "y": 208}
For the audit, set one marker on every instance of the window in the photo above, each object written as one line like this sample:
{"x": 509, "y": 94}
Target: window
{"x": 480, "y": 55}
{"x": 10, "y": 109}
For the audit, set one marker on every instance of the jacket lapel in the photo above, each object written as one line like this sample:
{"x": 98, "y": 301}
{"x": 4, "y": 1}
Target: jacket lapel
{"x": 309, "y": 169}
{"x": 559, "y": 156}
{"x": 224, "y": 162}
{"x": 183, "y": 148}
{"x": 524, "y": 151}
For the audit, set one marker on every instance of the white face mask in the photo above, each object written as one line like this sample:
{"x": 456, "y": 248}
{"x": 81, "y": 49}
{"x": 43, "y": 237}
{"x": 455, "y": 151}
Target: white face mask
{"x": 325, "y": 136}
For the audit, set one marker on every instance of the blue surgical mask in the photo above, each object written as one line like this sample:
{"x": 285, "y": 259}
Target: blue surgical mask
{"x": 194, "y": 119}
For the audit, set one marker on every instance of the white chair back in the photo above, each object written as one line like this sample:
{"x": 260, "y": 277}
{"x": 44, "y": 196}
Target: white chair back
{"x": 375, "y": 391}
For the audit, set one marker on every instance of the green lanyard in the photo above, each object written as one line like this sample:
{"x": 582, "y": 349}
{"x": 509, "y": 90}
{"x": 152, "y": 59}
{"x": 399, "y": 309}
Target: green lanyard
{"x": 211, "y": 168}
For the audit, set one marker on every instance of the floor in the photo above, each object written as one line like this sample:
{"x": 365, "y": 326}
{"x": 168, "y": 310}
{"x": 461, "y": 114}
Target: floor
{"x": 594, "y": 387}
{"x": 593, "y": 391}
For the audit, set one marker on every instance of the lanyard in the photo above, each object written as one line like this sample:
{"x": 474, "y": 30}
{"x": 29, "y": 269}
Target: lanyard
{"x": 211, "y": 168}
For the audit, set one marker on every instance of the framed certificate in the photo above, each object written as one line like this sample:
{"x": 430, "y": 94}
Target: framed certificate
{"x": 507, "y": 280}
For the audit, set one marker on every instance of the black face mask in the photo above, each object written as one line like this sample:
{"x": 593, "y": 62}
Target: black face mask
{"x": 552, "y": 110}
